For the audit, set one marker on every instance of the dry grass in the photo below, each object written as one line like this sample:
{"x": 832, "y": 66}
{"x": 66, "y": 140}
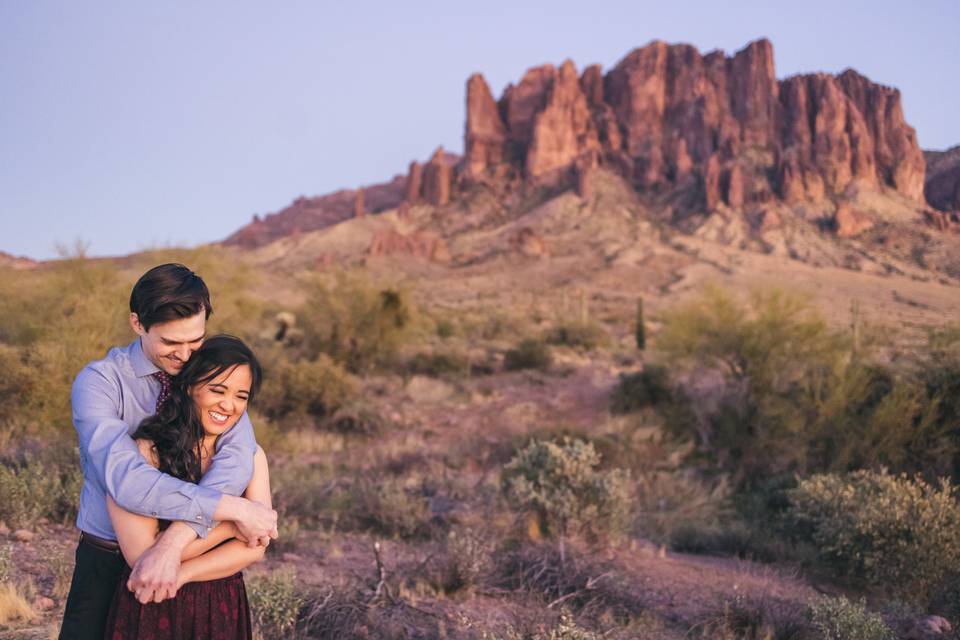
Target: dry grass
{"x": 14, "y": 605}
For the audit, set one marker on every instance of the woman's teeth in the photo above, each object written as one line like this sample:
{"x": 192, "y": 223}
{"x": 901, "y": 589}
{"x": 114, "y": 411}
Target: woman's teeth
{"x": 218, "y": 417}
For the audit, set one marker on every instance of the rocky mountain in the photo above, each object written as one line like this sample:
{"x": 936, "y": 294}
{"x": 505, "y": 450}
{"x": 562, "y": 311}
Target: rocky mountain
{"x": 942, "y": 187}
{"x": 722, "y": 127}
{"x": 708, "y": 144}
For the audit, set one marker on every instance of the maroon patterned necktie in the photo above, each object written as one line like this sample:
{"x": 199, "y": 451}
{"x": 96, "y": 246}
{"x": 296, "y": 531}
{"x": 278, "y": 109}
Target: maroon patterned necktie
{"x": 164, "y": 379}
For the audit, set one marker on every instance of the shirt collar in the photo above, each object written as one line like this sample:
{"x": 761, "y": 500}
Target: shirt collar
{"x": 141, "y": 364}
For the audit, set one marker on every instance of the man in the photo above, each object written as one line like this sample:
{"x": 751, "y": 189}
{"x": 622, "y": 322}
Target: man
{"x": 169, "y": 307}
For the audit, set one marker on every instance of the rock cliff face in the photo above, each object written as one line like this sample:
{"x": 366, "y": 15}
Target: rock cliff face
{"x": 942, "y": 186}
{"x": 706, "y": 131}
{"x": 668, "y": 117}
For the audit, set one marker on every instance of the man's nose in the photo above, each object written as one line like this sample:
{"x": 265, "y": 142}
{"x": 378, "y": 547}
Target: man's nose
{"x": 183, "y": 353}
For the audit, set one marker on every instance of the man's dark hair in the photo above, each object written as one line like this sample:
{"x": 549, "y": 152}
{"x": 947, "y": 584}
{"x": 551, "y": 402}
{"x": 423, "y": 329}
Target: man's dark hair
{"x": 169, "y": 292}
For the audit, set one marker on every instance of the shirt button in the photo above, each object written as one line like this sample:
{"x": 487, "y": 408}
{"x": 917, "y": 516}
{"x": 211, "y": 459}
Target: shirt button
{"x": 153, "y": 513}
{"x": 199, "y": 517}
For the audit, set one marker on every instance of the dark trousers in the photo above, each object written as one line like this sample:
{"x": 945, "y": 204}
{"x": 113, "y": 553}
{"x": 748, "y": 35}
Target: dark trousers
{"x": 95, "y": 578}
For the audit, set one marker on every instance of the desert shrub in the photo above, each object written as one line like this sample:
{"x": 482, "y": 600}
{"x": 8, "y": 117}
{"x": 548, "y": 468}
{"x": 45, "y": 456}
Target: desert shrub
{"x": 466, "y": 559}
{"x": 560, "y": 482}
{"x": 7, "y": 568}
{"x": 670, "y": 502}
{"x": 439, "y": 364}
{"x": 388, "y": 508}
{"x": 648, "y": 388}
{"x": 794, "y": 395}
{"x": 40, "y": 486}
{"x": 58, "y": 318}
{"x": 530, "y": 353}
{"x": 313, "y": 388}
{"x": 554, "y": 571}
{"x": 358, "y": 323}
{"x": 755, "y": 618}
{"x": 16, "y": 384}
{"x": 888, "y": 530}
{"x": 841, "y": 619}
{"x": 275, "y": 601}
{"x": 566, "y": 629}
{"x": 356, "y": 417}
{"x": 302, "y": 494}
{"x": 579, "y": 335}
{"x": 337, "y": 611}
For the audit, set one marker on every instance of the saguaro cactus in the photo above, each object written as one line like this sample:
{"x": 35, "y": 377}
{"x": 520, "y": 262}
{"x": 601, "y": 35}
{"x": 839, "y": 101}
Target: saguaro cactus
{"x": 640, "y": 331}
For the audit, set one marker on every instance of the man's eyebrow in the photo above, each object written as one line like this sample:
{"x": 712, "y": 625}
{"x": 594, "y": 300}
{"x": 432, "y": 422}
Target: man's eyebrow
{"x": 168, "y": 341}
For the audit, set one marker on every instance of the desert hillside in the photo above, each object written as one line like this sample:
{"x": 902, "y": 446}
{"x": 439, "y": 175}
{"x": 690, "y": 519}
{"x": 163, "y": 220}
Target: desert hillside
{"x": 670, "y": 351}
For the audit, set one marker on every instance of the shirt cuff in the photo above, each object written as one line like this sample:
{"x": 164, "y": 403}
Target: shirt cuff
{"x": 205, "y": 504}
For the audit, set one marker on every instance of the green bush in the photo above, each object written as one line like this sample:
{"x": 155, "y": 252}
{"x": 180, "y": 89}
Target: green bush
{"x": 794, "y": 395}
{"x": 560, "y": 482}
{"x": 358, "y": 323}
{"x": 314, "y": 388}
{"x": 439, "y": 364}
{"x": 579, "y": 335}
{"x": 275, "y": 602}
{"x": 891, "y": 531}
{"x": 648, "y": 388}
{"x": 36, "y": 487}
{"x": 841, "y": 619}
{"x": 529, "y": 353}
{"x": 16, "y": 383}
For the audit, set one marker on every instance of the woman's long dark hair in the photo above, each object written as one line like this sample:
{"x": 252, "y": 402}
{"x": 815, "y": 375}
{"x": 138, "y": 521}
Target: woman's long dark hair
{"x": 176, "y": 430}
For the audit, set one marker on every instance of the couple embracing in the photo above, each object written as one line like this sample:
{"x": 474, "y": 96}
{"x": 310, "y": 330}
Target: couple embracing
{"x": 176, "y": 493}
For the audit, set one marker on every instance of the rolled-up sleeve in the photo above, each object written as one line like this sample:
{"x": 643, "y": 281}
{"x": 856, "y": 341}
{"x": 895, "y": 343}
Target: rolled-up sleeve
{"x": 113, "y": 458}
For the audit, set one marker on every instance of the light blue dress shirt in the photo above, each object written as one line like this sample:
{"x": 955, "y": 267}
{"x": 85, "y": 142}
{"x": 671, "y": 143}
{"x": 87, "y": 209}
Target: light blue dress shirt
{"x": 110, "y": 398}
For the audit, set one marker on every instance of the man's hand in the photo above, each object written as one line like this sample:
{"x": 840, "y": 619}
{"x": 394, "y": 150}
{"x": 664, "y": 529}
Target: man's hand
{"x": 257, "y": 523}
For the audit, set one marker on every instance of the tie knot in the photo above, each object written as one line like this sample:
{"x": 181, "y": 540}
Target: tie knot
{"x": 164, "y": 379}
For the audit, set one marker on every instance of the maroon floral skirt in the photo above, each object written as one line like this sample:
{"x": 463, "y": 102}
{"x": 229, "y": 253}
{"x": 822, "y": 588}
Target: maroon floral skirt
{"x": 211, "y": 610}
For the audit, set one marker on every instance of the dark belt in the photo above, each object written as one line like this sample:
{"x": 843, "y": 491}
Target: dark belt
{"x": 99, "y": 543}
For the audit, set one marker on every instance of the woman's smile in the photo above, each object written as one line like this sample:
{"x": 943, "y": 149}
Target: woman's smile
{"x": 221, "y": 401}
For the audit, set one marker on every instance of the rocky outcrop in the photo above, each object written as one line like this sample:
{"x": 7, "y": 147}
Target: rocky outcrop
{"x": 310, "y": 214}
{"x": 414, "y": 182}
{"x": 16, "y": 262}
{"x": 851, "y": 222}
{"x": 423, "y": 245}
{"x": 486, "y": 132}
{"x": 359, "y": 209}
{"x": 666, "y": 115}
{"x": 437, "y": 178}
{"x": 526, "y": 242}
{"x": 942, "y": 187}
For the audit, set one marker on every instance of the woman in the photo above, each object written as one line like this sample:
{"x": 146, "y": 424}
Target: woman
{"x": 207, "y": 398}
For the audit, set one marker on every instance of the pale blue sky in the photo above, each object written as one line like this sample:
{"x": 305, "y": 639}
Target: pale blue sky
{"x": 137, "y": 124}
